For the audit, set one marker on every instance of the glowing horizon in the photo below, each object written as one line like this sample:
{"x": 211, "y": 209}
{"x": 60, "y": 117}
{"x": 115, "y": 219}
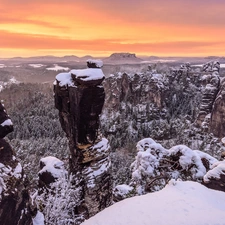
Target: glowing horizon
{"x": 102, "y": 27}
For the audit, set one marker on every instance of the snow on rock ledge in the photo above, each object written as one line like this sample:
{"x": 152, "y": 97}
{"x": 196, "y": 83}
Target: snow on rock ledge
{"x": 215, "y": 178}
{"x": 217, "y": 170}
{"x": 91, "y": 76}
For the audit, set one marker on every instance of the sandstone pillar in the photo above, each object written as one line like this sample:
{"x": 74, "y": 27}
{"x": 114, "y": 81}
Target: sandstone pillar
{"x": 79, "y": 97}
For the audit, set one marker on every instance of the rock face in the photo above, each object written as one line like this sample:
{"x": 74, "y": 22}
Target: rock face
{"x": 79, "y": 97}
{"x": 211, "y": 81}
{"x": 135, "y": 89}
{"x": 6, "y": 125}
{"x": 14, "y": 198}
{"x": 217, "y": 123}
{"x": 143, "y": 104}
{"x": 148, "y": 104}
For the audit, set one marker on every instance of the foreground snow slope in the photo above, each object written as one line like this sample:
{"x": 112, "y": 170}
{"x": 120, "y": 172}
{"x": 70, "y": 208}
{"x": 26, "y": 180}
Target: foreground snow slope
{"x": 179, "y": 203}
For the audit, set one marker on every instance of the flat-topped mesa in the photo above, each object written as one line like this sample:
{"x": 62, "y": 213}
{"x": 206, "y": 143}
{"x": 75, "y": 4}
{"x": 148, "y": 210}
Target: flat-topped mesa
{"x": 79, "y": 97}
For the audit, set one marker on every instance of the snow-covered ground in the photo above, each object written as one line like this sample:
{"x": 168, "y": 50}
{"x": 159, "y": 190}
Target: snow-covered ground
{"x": 200, "y": 65}
{"x": 158, "y": 61}
{"x": 58, "y": 68}
{"x": 11, "y": 81}
{"x": 180, "y": 202}
{"x": 36, "y": 65}
{"x": 4, "y": 66}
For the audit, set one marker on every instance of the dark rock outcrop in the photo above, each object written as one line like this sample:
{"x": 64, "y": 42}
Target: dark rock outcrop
{"x": 15, "y": 208}
{"x": 136, "y": 89}
{"x": 217, "y": 123}
{"x": 211, "y": 81}
{"x": 79, "y": 97}
{"x": 5, "y": 122}
{"x": 139, "y": 105}
{"x": 215, "y": 178}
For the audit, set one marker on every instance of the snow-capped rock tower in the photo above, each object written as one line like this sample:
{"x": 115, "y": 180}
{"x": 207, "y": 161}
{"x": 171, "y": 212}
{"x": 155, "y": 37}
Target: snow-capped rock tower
{"x": 79, "y": 97}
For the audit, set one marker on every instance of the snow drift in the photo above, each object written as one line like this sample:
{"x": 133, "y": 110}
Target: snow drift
{"x": 178, "y": 203}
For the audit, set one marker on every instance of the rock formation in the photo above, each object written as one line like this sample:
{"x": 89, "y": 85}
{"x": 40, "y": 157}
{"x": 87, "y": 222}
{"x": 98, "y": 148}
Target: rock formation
{"x": 6, "y": 125}
{"x": 217, "y": 122}
{"x": 211, "y": 81}
{"x": 212, "y": 110}
{"x": 140, "y": 105}
{"x": 79, "y": 97}
{"x": 14, "y": 197}
{"x": 135, "y": 89}
{"x": 149, "y": 103}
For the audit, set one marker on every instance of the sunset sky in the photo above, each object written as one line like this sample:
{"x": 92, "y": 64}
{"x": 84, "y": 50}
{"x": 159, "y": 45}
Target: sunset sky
{"x": 101, "y": 27}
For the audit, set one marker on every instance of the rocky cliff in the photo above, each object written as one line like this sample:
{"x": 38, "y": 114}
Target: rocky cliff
{"x": 211, "y": 86}
{"x": 79, "y": 97}
{"x": 178, "y": 104}
{"x": 147, "y": 104}
{"x": 15, "y": 208}
{"x": 217, "y": 119}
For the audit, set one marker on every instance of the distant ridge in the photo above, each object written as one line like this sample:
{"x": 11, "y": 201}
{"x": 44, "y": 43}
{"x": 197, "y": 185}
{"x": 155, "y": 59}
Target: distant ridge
{"x": 86, "y": 57}
{"x": 115, "y": 58}
{"x": 47, "y": 58}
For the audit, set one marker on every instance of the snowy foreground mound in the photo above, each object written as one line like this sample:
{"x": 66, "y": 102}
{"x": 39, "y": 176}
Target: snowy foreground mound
{"x": 180, "y": 202}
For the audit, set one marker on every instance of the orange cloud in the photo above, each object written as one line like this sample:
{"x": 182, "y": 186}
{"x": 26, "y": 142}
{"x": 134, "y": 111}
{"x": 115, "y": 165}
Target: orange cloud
{"x": 151, "y": 27}
{"x": 42, "y": 42}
